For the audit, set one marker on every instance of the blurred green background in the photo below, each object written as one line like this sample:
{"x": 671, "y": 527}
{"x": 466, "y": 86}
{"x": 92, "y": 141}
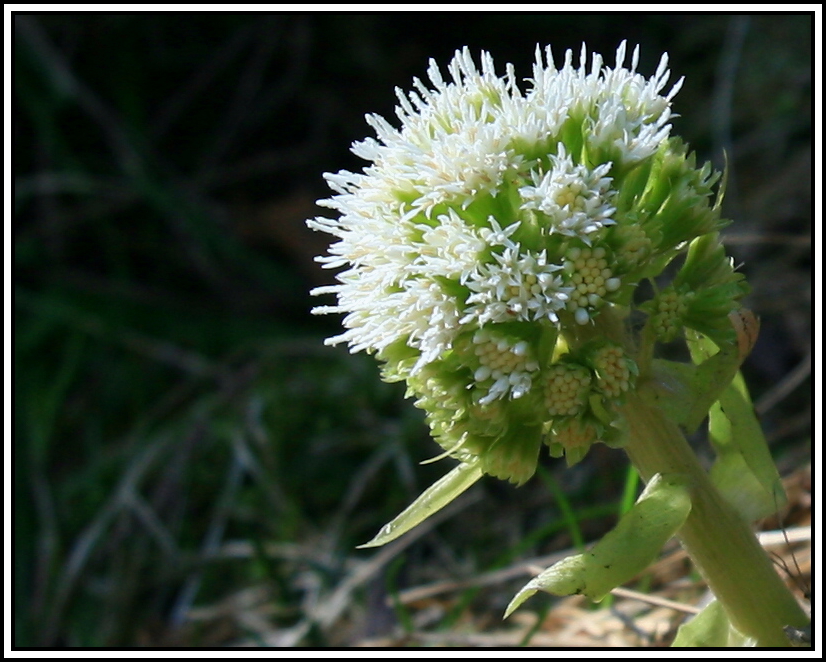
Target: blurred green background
{"x": 192, "y": 467}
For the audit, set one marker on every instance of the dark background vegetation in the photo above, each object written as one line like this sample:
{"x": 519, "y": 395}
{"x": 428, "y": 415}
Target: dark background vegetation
{"x": 192, "y": 467}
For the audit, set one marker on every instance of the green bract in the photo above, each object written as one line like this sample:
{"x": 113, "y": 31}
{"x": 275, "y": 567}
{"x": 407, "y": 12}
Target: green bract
{"x": 623, "y": 552}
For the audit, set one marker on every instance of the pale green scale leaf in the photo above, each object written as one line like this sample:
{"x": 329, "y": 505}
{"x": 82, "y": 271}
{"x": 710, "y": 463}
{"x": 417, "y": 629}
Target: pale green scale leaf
{"x": 710, "y": 629}
{"x": 623, "y": 552}
{"x": 686, "y": 392}
{"x": 744, "y": 471}
{"x": 432, "y": 500}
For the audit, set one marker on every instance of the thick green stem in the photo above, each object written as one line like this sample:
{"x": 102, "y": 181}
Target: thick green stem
{"x": 718, "y": 540}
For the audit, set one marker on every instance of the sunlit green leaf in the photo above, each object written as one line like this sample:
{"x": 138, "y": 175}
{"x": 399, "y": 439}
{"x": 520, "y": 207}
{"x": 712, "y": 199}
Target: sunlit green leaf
{"x": 624, "y": 551}
{"x": 432, "y": 500}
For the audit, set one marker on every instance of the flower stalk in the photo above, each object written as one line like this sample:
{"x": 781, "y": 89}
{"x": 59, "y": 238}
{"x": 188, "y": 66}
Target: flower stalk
{"x": 719, "y": 541}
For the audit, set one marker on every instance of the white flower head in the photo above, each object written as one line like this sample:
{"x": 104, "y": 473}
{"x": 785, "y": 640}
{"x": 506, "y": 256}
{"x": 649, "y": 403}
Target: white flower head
{"x": 622, "y": 111}
{"x": 576, "y": 200}
{"x": 466, "y": 214}
{"x": 516, "y": 286}
{"x": 450, "y": 248}
{"x": 496, "y": 237}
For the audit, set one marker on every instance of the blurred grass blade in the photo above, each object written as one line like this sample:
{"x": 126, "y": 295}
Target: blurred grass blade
{"x": 629, "y": 491}
{"x": 432, "y": 500}
{"x": 565, "y": 507}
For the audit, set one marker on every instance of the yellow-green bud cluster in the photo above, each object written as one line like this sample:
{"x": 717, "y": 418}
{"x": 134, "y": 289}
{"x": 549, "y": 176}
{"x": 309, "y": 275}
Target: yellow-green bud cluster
{"x": 573, "y": 437}
{"x": 591, "y": 279}
{"x": 635, "y": 246}
{"x": 669, "y": 309}
{"x": 613, "y": 370}
{"x": 566, "y": 389}
{"x": 571, "y": 196}
{"x": 574, "y": 433}
{"x": 507, "y": 363}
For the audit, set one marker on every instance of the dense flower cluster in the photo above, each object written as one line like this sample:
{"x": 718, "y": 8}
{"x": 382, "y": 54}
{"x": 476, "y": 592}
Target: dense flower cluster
{"x": 495, "y": 226}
